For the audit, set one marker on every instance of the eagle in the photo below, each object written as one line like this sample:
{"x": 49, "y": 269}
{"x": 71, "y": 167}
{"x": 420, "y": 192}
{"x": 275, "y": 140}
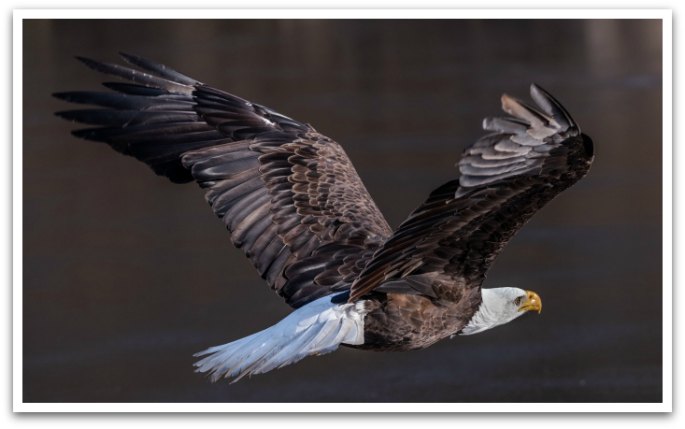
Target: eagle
{"x": 294, "y": 204}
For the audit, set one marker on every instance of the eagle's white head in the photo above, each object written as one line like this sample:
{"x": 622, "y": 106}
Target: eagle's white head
{"x": 500, "y": 306}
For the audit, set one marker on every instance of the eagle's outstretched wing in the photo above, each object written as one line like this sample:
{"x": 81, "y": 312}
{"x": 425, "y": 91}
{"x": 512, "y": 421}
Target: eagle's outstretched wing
{"x": 505, "y": 177}
{"x": 289, "y": 196}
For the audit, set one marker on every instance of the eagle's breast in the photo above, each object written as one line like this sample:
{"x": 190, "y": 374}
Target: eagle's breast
{"x": 401, "y": 321}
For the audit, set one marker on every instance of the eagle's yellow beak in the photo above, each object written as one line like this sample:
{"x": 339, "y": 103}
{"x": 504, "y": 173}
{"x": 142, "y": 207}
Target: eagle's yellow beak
{"x": 532, "y": 302}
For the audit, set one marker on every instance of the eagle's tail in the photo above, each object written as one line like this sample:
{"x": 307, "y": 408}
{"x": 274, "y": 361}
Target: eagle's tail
{"x": 314, "y": 329}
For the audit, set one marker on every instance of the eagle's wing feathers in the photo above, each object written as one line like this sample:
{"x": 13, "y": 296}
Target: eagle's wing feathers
{"x": 505, "y": 177}
{"x": 289, "y": 196}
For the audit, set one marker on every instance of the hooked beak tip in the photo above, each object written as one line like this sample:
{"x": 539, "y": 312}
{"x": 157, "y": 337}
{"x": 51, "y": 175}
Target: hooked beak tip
{"x": 532, "y": 302}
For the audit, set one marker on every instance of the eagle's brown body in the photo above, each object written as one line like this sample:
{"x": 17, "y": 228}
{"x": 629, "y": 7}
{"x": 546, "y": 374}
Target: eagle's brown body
{"x": 400, "y": 322}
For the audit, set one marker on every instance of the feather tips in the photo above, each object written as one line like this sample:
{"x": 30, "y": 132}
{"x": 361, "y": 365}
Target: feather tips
{"x": 527, "y": 137}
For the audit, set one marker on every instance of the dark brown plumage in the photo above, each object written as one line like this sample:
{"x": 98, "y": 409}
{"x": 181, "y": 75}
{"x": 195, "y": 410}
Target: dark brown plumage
{"x": 505, "y": 178}
{"x": 450, "y": 241}
{"x": 293, "y": 202}
{"x": 289, "y": 196}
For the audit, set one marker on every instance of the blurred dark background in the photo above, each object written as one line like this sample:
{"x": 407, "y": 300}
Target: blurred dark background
{"x": 127, "y": 275}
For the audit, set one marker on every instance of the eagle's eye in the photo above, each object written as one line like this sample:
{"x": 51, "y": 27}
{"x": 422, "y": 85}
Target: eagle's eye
{"x": 518, "y": 300}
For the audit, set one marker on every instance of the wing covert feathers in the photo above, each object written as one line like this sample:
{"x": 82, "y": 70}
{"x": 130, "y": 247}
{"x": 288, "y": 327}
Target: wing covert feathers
{"x": 505, "y": 177}
{"x": 289, "y": 196}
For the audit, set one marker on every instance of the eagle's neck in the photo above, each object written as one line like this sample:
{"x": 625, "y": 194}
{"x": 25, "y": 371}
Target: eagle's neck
{"x": 493, "y": 311}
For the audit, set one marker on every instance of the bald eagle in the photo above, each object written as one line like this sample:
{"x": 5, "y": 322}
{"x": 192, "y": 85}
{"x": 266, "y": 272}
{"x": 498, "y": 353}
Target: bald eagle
{"x": 292, "y": 201}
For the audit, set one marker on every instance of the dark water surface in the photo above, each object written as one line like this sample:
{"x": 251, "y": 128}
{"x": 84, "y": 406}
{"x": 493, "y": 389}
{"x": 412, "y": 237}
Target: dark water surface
{"x": 126, "y": 275}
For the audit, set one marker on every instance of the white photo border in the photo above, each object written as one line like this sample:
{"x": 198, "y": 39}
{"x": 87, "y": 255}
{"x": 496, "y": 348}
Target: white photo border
{"x": 17, "y": 126}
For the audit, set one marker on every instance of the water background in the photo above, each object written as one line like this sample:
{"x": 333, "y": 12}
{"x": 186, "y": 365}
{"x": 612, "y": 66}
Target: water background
{"x": 127, "y": 275}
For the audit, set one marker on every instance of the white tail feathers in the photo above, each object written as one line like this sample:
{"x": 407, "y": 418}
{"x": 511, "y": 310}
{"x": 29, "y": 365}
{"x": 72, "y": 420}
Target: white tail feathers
{"x": 314, "y": 329}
